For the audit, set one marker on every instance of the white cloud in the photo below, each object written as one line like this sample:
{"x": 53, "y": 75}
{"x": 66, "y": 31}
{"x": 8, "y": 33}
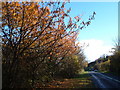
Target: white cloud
{"x": 95, "y": 49}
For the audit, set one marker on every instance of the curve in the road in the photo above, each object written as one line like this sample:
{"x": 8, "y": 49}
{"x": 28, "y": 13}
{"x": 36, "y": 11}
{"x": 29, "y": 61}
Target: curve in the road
{"x": 99, "y": 82}
{"x": 103, "y": 81}
{"x": 110, "y": 78}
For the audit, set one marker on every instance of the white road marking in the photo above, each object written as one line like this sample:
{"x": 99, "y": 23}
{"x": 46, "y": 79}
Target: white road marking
{"x": 109, "y": 77}
{"x": 99, "y": 82}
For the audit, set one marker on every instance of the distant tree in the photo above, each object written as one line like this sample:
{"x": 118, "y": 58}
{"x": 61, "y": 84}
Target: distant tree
{"x": 115, "y": 59}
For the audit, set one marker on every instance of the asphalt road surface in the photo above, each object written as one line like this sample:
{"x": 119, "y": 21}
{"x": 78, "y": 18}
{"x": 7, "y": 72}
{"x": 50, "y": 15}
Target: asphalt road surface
{"x": 103, "y": 81}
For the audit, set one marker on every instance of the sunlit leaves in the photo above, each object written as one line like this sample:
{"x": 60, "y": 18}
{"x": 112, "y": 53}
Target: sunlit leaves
{"x": 37, "y": 39}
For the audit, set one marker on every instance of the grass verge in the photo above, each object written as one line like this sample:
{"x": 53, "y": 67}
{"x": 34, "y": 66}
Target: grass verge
{"x": 82, "y": 80}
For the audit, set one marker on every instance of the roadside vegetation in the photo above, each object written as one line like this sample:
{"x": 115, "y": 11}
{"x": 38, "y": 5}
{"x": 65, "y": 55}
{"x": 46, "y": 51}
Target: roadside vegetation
{"x": 39, "y": 46}
{"x": 82, "y": 80}
{"x": 108, "y": 64}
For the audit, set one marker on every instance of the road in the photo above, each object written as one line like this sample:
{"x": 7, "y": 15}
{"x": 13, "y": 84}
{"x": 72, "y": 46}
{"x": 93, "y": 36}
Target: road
{"x": 103, "y": 81}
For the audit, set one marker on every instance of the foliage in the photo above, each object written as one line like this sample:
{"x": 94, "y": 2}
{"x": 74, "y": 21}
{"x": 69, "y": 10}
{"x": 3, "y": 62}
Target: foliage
{"x": 115, "y": 59}
{"x": 36, "y": 40}
{"x": 115, "y": 63}
{"x": 108, "y": 63}
{"x": 71, "y": 66}
{"x": 101, "y": 64}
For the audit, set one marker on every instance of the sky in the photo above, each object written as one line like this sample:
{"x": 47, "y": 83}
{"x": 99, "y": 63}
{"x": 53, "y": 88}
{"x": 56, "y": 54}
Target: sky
{"x": 70, "y": 0}
{"x": 101, "y": 35}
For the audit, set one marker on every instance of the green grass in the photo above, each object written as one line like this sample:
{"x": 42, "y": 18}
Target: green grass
{"x": 81, "y": 80}
{"x": 85, "y": 80}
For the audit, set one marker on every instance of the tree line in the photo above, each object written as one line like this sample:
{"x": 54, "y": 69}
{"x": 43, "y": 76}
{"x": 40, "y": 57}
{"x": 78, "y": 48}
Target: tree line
{"x": 37, "y": 43}
{"x": 108, "y": 63}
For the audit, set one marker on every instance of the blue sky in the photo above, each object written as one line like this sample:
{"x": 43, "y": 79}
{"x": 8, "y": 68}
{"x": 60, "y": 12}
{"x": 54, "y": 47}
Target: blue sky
{"x": 102, "y": 32}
